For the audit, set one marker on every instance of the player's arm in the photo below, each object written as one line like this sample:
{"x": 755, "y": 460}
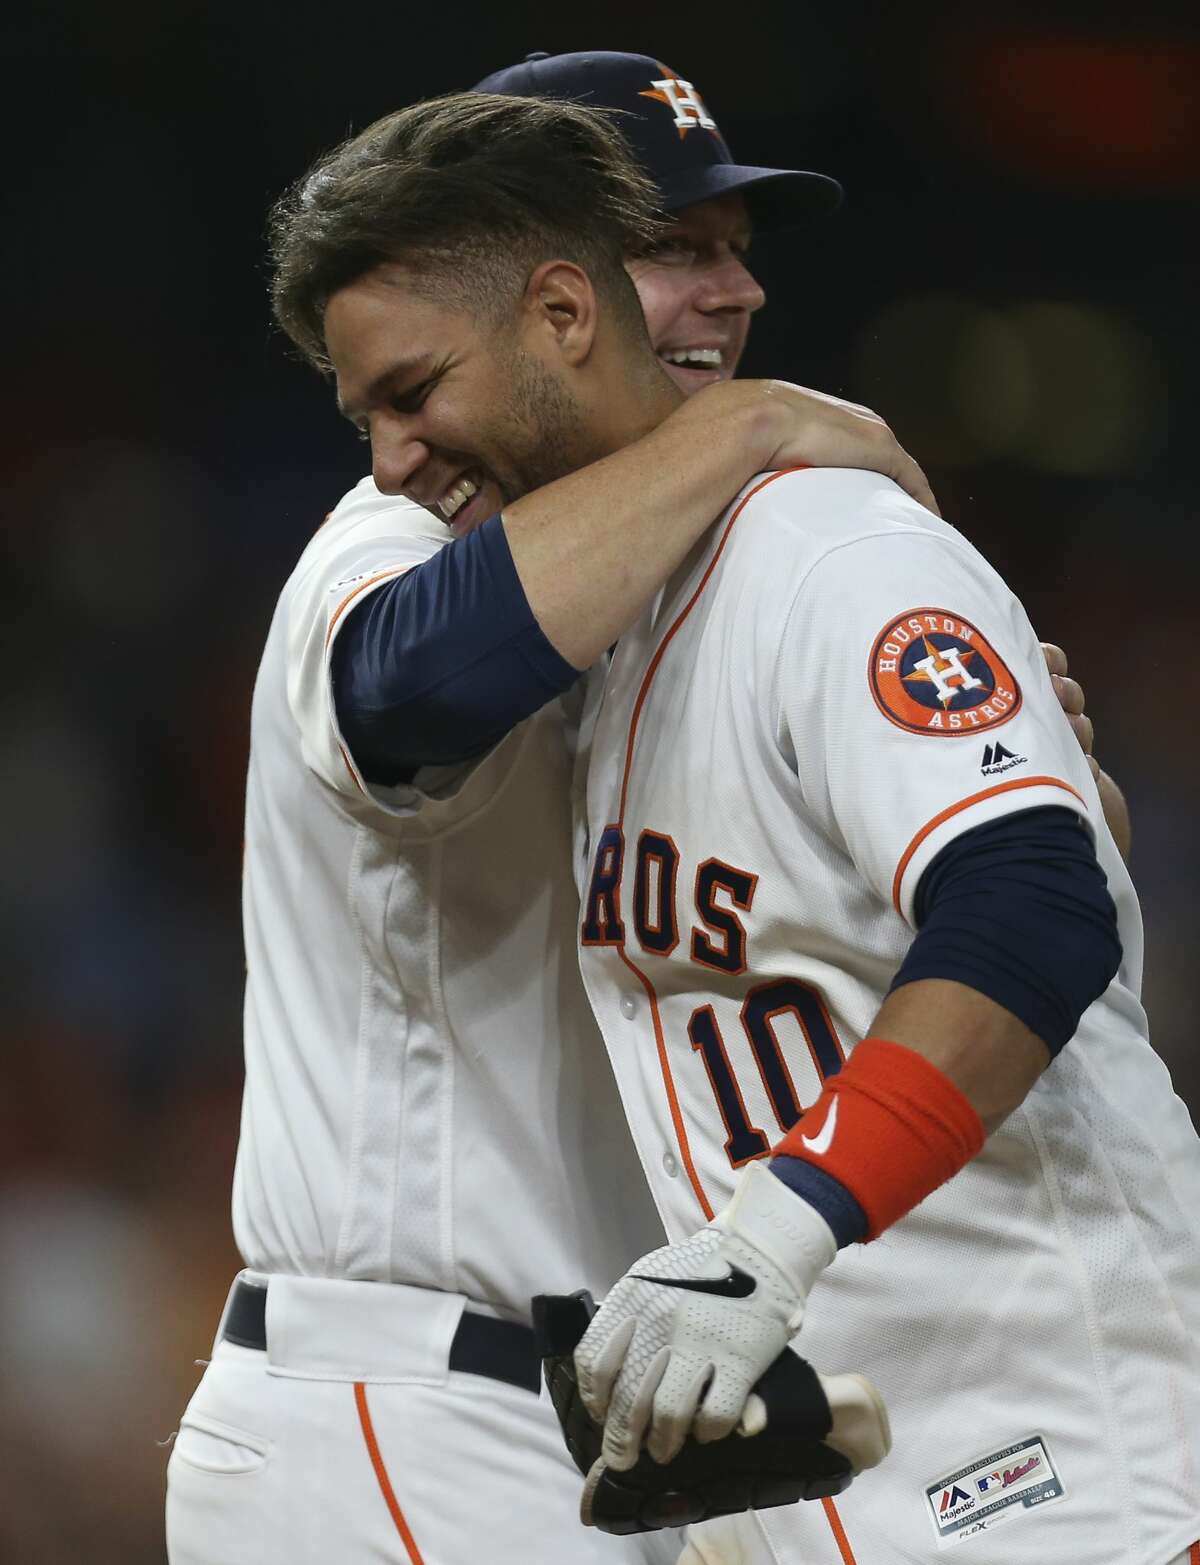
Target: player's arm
{"x": 1070, "y": 697}
{"x": 593, "y": 548}
{"x": 435, "y": 666}
{"x": 1017, "y": 935}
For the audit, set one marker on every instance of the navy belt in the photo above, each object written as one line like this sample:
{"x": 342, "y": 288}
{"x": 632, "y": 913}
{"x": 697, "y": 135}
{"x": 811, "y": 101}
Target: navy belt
{"x": 500, "y": 1349}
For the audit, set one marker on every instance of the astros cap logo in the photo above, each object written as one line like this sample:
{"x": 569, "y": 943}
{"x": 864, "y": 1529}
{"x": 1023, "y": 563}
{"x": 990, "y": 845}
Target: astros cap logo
{"x": 931, "y": 672}
{"x": 683, "y": 99}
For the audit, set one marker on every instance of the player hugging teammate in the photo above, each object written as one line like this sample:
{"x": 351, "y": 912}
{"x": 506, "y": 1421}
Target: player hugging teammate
{"x": 909, "y": 1019}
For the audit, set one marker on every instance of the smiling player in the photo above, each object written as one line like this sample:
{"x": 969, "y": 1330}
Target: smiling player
{"x": 361, "y": 1096}
{"x": 800, "y": 880}
{"x": 431, "y": 1132}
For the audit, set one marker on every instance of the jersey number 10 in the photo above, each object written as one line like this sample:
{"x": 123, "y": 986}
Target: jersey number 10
{"x": 762, "y": 1006}
{"x": 720, "y": 890}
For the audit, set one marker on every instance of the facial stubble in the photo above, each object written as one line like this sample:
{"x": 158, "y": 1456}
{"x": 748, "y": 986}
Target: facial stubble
{"x": 545, "y": 437}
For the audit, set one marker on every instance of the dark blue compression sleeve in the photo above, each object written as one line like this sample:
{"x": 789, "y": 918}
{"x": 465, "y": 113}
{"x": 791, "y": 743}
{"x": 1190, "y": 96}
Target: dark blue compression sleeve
{"x": 1019, "y": 909}
{"x": 437, "y": 665}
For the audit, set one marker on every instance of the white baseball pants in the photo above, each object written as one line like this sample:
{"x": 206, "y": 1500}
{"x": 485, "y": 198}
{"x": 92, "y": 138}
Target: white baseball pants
{"x": 349, "y": 1440}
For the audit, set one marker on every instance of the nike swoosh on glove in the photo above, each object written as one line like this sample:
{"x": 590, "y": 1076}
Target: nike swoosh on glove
{"x": 682, "y": 1338}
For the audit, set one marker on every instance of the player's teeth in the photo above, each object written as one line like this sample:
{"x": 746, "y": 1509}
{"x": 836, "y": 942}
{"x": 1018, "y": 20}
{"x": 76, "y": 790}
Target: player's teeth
{"x": 463, "y": 491}
{"x": 695, "y": 358}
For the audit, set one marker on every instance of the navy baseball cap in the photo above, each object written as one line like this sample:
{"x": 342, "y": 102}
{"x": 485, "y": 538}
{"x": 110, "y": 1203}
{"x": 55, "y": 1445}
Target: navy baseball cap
{"x": 671, "y": 131}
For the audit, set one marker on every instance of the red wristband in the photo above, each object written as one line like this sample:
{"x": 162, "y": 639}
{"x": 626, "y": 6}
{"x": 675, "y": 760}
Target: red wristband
{"x": 890, "y": 1127}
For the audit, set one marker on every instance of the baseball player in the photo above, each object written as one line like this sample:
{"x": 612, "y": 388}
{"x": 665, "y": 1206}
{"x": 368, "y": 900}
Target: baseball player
{"x": 792, "y": 769}
{"x": 329, "y": 1186}
{"x": 846, "y": 904}
{"x": 430, "y": 1131}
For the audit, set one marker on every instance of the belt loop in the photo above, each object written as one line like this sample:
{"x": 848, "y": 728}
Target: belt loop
{"x": 243, "y": 1277}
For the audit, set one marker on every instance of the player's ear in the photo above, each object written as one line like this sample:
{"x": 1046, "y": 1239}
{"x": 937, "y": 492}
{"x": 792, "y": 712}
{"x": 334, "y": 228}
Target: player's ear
{"x": 560, "y": 310}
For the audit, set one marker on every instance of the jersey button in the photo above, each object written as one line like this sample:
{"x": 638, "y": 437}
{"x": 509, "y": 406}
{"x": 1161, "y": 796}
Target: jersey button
{"x": 670, "y": 1166}
{"x": 628, "y": 1007}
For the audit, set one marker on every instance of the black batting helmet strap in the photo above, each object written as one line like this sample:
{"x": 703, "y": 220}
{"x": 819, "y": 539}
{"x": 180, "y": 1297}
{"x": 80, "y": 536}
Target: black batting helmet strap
{"x": 672, "y": 131}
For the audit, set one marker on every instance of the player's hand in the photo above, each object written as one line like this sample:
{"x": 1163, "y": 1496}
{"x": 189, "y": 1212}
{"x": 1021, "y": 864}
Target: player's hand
{"x": 823, "y": 431}
{"x": 1071, "y": 699}
{"x": 680, "y": 1341}
{"x": 817, "y": 1433}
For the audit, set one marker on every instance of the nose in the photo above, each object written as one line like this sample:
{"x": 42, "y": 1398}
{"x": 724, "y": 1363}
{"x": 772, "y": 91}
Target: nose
{"x": 729, "y": 285}
{"x": 397, "y": 456}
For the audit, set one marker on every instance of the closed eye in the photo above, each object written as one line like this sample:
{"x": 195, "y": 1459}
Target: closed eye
{"x": 414, "y": 399}
{"x": 688, "y": 252}
{"x": 671, "y": 250}
{"x": 406, "y": 401}
{"x": 411, "y": 401}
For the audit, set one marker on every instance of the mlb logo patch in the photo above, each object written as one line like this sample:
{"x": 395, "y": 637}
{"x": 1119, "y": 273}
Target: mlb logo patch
{"x": 998, "y": 1488}
{"x": 993, "y": 1483}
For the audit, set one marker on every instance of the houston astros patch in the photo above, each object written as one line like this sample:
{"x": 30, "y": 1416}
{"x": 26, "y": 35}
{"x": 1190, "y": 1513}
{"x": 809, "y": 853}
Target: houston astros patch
{"x": 931, "y": 672}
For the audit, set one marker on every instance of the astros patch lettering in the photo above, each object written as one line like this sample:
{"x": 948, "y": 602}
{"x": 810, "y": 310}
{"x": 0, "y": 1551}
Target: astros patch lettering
{"x": 932, "y": 672}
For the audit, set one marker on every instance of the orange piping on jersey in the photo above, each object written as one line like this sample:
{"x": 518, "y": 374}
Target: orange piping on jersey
{"x": 385, "y": 1483}
{"x": 350, "y": 769}
{"x": 652, "y": 668}
{"x": 681, "y": 1137}
{"x": 963, "y": 804}
{"x": 1194, "y": 1554}
{"x": 398, "y": 570}
{"x": 839, "y": 1532}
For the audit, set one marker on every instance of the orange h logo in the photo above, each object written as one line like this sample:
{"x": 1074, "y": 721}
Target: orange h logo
{"x": 684, "y": 102}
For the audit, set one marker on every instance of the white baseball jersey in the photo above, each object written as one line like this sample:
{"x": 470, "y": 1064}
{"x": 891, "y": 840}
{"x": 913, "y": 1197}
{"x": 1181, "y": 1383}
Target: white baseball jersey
{"x": 832, "y": 688}
{"x": 429, "y": 1124}
{"x": 427, "y": 1098}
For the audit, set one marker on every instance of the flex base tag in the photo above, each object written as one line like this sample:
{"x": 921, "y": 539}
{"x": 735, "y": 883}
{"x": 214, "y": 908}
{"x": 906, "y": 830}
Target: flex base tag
{"x": 997, "y": 1488}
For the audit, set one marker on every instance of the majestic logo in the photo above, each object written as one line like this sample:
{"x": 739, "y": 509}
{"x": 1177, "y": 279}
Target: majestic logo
{"x": 737, "y": 1285}
{"x": 997, "y": 759}
{"x": 991, "y": 1482}
{"x": 821, "y": 1141}
{"x": 954, "y": 1497}
{"x": 684, "y": 102}
{"x": 931, "y": 672}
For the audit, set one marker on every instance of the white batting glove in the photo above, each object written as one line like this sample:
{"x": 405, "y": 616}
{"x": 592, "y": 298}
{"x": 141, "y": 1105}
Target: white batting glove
{"x": 683, "y": 1337}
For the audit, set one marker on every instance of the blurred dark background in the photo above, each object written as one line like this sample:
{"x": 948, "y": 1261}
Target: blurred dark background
{"x": 1010, "y": 284}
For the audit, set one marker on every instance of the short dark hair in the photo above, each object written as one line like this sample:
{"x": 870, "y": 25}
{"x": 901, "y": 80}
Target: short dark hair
{"x": 471, "y": 192}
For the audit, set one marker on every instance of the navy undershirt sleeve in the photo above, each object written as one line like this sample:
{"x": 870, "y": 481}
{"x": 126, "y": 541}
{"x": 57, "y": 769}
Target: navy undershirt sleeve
{"x": 1019, "y": 909}
{"x": 437, "y": 665}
